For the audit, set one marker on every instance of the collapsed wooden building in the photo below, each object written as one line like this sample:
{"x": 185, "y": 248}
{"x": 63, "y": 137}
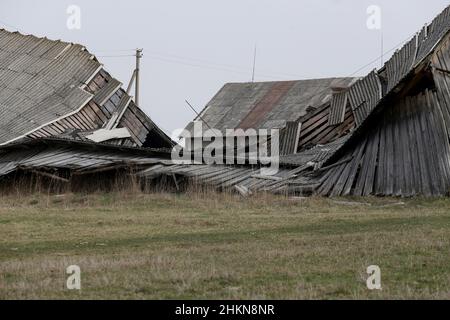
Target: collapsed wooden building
{"x": 54, "y": 88}
{"x": 385, "y": 134}
{"x": 57, "y": 93}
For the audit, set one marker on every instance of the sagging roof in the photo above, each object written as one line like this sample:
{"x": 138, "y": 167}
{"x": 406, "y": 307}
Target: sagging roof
{"x": 50, "y": 88}
{"x": 320, "y": 111}
{"x": 369, "y": 95}
{"x": 397, "y": 122}
{"x": 78, "y": 157}
{"x": 342, "y": 152}
{"x": 266, "y": 105}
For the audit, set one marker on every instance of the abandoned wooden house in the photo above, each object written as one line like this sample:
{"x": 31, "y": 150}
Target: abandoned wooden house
{"x": 385, "y": 134}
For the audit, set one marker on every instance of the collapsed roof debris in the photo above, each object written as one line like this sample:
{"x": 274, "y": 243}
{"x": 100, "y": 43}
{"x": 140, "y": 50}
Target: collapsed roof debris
{"x": 53, "y": 88}
{"x": 390, "y": 129}
{"x": 386, "y": 134}
{"x": 78, "y": 157}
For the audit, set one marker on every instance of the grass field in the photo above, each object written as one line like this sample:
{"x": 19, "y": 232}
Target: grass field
{"x": 165, "y": 246}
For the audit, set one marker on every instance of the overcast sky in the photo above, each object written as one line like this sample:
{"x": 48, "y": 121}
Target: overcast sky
{"x": 193, "y": 47}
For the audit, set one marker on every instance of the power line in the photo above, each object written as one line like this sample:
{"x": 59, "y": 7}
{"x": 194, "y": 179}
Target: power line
{"x": 173, "y": 57}
{"x": 379, "y": 57}
{"x": 114, "y": 50}
{"x": 196, "y": 65}
{"x": 213, "y": 67}
{"x": 177, "y": 59}
{"x": 117, "y": 56}
{"x": 167, "y": 58}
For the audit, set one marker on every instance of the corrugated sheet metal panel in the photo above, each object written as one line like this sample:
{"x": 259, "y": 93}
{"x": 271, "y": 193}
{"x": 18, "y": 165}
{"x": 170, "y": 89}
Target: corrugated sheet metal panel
{"x": 434, "y": 33}
{"x": 262, "y": 108}
{"x": 337, "y": 110}
{"x": 235, "y": 101}
{"x": 364, "y": 96}
{"x": 415, "y": 50}
{"x": 77, "y": 159}
{"x": 289, "y": 138}
{"x": 40, "y": 81}
{"x": 401, "y": 63}
{"x": 220, "y": 176}
{"x": 41, "y": 85}
{"x": 228, "y": 176}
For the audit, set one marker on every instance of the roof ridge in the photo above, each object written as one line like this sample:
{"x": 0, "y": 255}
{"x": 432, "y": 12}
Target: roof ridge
{"x": 293, "y": 80}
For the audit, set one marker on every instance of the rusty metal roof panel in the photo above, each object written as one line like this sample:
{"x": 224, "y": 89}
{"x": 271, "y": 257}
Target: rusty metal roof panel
{"x": 266, "y": 104}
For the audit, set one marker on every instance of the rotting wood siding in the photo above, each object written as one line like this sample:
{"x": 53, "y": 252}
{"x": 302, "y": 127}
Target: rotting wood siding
{"x": 407, "y": 153}
{"x": 315, "y": 128}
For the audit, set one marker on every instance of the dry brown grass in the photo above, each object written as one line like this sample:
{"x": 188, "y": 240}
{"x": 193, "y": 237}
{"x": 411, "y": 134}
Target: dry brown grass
{"x": 204, "y": 245}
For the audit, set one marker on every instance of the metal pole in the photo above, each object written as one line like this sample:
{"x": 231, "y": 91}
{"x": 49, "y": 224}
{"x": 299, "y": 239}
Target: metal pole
{"x": 254, "y": 65}
{"x": 138, "y": 64}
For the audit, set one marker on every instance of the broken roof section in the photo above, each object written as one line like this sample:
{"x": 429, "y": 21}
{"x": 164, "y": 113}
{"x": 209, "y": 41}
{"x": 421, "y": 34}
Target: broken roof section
{"x": 77, "y": 157}
{"x": 53, "y": 88}
{"x": 267, "y": 105}
{"x": 386, "y": 134}
{"x": 370, "y": 94}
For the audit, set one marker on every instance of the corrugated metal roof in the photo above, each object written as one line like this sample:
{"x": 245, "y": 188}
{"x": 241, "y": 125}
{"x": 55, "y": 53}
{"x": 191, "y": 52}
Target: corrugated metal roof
{"x": 267, "y": 104}
{"x": 77, "y": 156}
{"x": 40, "y": 81}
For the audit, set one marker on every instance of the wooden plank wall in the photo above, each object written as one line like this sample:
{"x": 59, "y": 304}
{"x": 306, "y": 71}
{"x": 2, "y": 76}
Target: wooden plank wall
{"x": 407, "y": 153}
{"x": 143, "y": 130}
{"x": 315, "y": 128}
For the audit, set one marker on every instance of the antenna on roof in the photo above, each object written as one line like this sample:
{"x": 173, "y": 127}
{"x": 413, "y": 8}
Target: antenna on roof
{"x": 382, "y": 50}
{"x": 198, "y": 115}
{"x": 254, "y": 65}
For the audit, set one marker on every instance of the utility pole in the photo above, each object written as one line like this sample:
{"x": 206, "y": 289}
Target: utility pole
{"x": 135, "y": 77}
{"x": 138, "y": 65}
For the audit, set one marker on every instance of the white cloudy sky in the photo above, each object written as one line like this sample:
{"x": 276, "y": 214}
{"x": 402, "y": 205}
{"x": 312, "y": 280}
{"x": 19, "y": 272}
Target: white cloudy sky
{"x": 193, "y": 47}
